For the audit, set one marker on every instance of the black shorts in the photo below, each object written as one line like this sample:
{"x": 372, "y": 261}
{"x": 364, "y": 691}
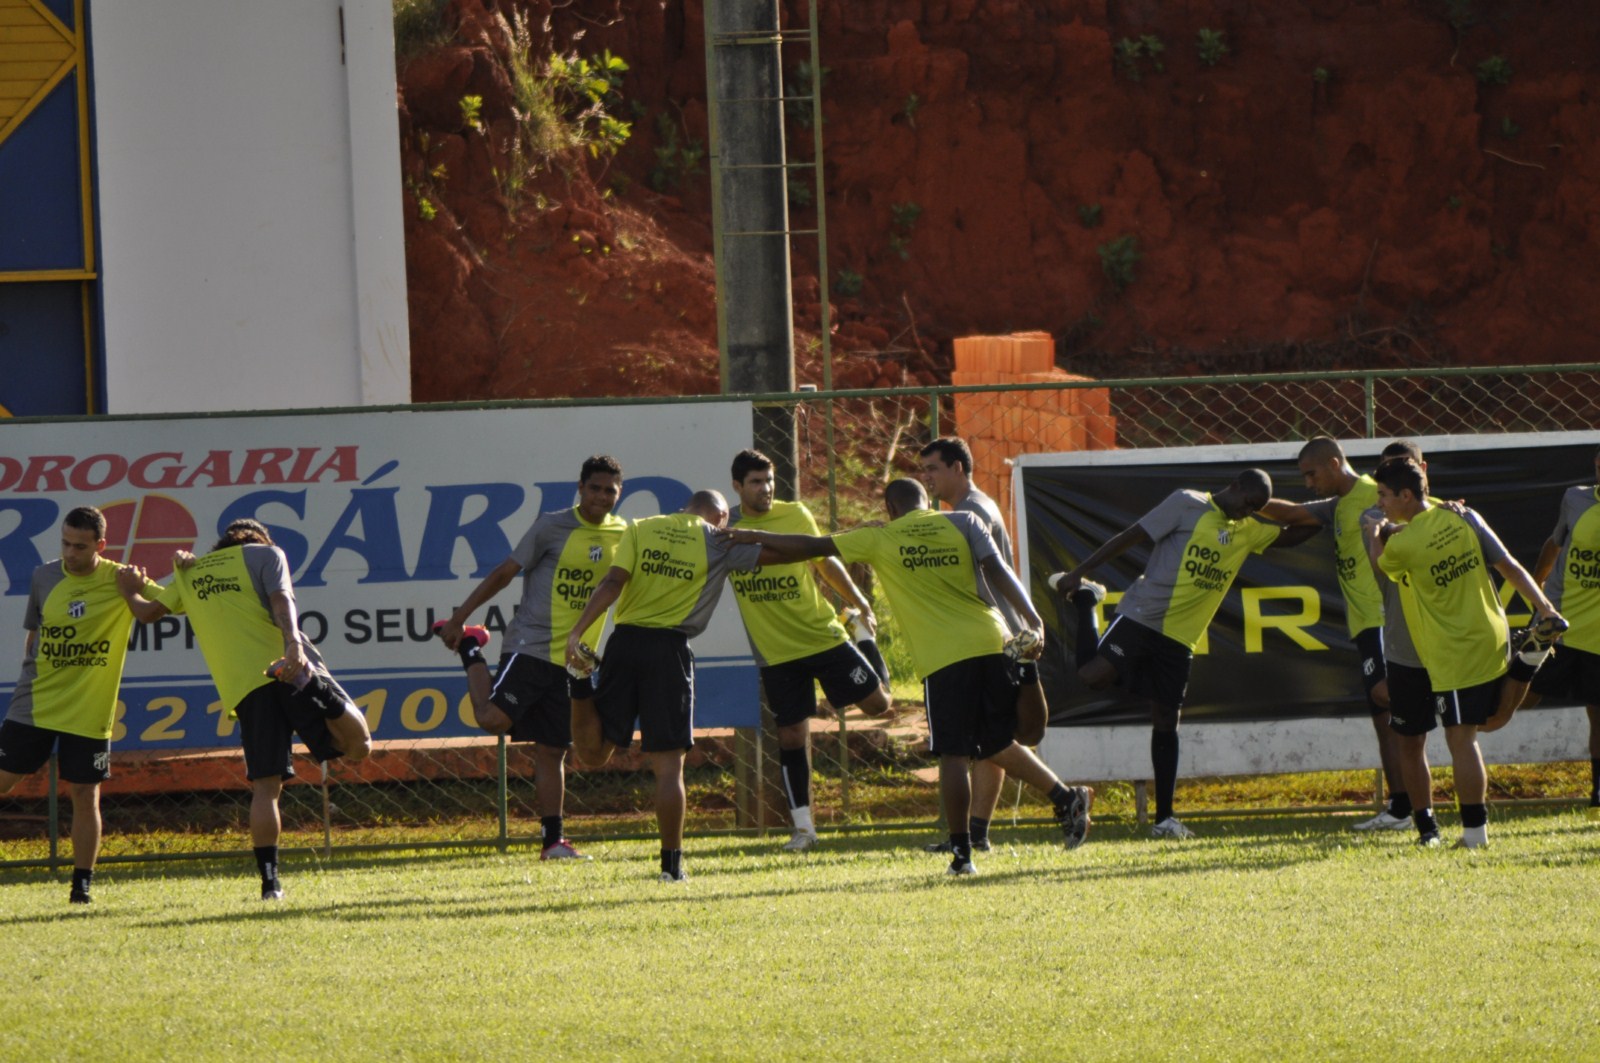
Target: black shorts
{"x": 648, "y": 677}
{"x": 972, "y": 707}
{"x": 1411, "y": 709}
{"x": 1569, "y": 674}
{"x": 1149, "y": 663}
{"x": 1369, "y": 645}
{"x": 844, "y": 673}
{"x": 269, "y": 718}
{"x": 24, "y": 748}
{"x": 537, "y": 697}
{"x": 1469, "y": 706}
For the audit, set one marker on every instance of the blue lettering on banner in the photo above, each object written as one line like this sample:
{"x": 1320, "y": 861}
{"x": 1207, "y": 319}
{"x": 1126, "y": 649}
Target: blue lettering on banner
{"x": 483, "y": 536}
{"x": 292, "y": 543}
{"x": 18, "y": 557}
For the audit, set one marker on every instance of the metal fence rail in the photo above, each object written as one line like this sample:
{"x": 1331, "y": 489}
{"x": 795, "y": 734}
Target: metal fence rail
{"x": 420, "y": 794}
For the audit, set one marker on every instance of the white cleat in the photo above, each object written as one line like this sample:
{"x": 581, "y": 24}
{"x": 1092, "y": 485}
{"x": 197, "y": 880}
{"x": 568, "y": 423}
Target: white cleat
{"x": 961, "y": 867}
{"x": 1384, "y": 821}
{"x": 1171, "y": 828}
{"x": 800, "y": 841}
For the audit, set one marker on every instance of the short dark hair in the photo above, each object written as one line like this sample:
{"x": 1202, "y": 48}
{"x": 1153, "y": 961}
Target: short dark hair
{"x": 952, "y": 450}
{"x": 242, "y": 531}
{"x": 86, "y": 518}
{"x": 598, "y": 463}
{"x": 748, "y": 461}
{"x": 1401, "y": 448}
{"x": 1403, "y": 474}
{"x": 906, "y": 495}
{"x": 1255, "y": 481}
{"x": 1321, "y": 448}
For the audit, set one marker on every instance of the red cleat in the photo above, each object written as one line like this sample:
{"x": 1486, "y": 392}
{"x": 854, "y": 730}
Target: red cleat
{"x": 472, "y": 632}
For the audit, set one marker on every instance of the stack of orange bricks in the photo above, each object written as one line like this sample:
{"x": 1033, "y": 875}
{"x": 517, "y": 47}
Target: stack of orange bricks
{"x": 1000, "y": 425}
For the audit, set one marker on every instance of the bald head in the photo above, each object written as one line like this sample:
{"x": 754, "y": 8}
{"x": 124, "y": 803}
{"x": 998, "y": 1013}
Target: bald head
{"x": 709, "y": 506}
{"x": 904, "y": 496}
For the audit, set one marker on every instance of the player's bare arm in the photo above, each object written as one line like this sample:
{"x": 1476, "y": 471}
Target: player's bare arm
{"x": 1002, "y": 579}
{"x": 1280, "y": 511}
{"x": 1549, "y": 553}
{"x": 1518, "y": 577}
{"x": 492, "y": 584}
{"x": 131, "y": 581}
{"x": 835, "y": 575}
{"x": 285, "y": 616}
{"x": 606, "y": 592}
{"x": 1294, "y": 535}
{"x": 1113, "y": 548}
{"x": 784, "y": 548}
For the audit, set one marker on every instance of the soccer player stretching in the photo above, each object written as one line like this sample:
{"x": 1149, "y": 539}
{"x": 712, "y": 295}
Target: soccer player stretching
{"x": 1198, "y": 542}
{"x": 241, "y": 605}
{"x": 928, "y": 563}
{"x": 796, "y": 639}
{"x": 1441, "y": 559}
{"x": 561, "y": 559}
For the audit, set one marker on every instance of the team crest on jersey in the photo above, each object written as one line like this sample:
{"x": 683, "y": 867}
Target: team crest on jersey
{"x": 76, "y": 609}
{"x": 1224, "y": 536}
{"x": 594, "y": 553}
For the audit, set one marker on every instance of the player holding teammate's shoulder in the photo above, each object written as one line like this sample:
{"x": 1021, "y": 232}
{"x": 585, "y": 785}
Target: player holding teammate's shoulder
{"x": 795, "y": 636}
{"x": 1343, "y": 499}
{"x": 1198, "y": 542}
{"x": 66, "y": 698}
{"x": 665, "y": 580}
{"x": 561, "y": 559}
{"x": 929, "y": 563}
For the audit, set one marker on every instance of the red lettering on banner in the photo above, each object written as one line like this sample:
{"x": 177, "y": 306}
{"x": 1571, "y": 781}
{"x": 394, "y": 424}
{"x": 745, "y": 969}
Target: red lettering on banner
{"x": 216, "y": 467}
{"x": 50, "y": 469}
{"x": 343, "y": 464}
{"x": 10, "y": 472}
{"x": 139, "y": 471}
{"x": 83, "y": 478}
{"x": 302, "y": 464}
{"x": 268, "y": 463}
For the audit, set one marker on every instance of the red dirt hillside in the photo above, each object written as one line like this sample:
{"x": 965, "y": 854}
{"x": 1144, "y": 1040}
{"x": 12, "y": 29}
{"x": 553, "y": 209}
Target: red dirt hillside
{"x": 1351, "y": 184}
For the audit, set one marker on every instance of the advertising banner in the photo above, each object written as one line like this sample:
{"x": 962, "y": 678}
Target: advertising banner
{"x": 388, "y": 520}
{"x": 1275, "y": 685}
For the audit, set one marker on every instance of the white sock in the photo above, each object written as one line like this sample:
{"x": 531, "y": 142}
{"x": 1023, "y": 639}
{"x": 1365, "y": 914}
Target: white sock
{"x": 802, "y": 819}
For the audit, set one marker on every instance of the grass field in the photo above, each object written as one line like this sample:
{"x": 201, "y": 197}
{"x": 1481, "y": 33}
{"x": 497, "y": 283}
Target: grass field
{"x": 1266, "y": 937}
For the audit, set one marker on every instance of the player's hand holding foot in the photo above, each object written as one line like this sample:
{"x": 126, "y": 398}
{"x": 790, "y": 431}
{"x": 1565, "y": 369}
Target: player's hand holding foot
{"x": 449, "y": 631}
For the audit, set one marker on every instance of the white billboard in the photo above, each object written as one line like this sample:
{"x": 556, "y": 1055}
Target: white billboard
{"x": 388, "y": 519}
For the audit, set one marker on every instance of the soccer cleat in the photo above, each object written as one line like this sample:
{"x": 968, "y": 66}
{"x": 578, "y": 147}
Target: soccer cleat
{"x": 561, "y": 849}
{"x": 1462, "y": 843}
{"x": 1384, "y": 820}
{"x": 275, "y": 671}
{"x": 853, "y": 623}
{"x": 959, "y": 866}
{"x": 271, "y": 891}
{"x": 1430, "y": 840}
{"x": 78, "y": 896}
{"x": 591, "y": 661}
{"x": 1171, "y": 828}
{"x": 1095, "y": 591}
{"x": 800, "y": 841}
{"x": 472, "y": 632}
{"x": 1073, "y": 817}
{"x": 979, "y": 845}
{"x": 667, "y": 876}
{"x": 1023, "y": 645}
{"x": 1542, "y": 635}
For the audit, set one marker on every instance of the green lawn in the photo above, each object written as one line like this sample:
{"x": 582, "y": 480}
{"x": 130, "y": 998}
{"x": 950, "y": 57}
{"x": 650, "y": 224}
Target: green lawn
{"x": 1265, "y": 937}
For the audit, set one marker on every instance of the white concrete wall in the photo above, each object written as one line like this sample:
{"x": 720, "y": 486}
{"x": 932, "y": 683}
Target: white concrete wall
{"x": 252, "y": 246}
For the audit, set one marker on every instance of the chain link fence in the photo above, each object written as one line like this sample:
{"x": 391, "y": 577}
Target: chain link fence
{"x": 419, "y": 793}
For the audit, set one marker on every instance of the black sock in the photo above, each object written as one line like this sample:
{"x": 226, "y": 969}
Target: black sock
{"x": 471, "y": 653}
{"x": 869, "y": 650}
{"x": 1594, "y": 780}
{"x": 267, "y": 864}
{"x": 81, "y": 877}
{"x": 1060, "y": 796}
{"x": 551, "y": 825}
{"x": 796, "y": 776}
{"x": 672, "y": 862}
{"x": 960, "y": 847}
{"x": 1474, "y": 815}
{"x": 978, "y": 829}
{"x": 1164, "y": 763}
{"x": 1399, "y": 804}
{"x": 1425, "y": 823}
{"x": 1087, "y": 645}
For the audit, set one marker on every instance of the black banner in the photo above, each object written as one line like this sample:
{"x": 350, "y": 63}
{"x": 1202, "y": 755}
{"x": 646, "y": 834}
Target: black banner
{"x": 1256, "y": 666}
